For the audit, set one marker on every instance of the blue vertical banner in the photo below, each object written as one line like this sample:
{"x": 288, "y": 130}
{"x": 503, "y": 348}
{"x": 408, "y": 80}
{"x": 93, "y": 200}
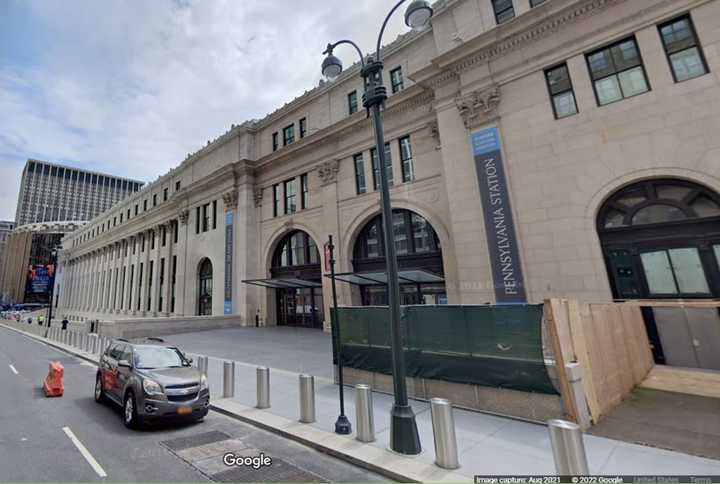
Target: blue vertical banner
{"x": 228, "y": 262}
{"x": 499, "y": 224}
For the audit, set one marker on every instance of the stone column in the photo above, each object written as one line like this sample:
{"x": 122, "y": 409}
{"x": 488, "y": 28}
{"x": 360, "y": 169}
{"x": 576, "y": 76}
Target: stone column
{"x": 156, "y": 254}
{"x": 135, "y": 261}
{"x": 167, "y": 253}
{"x": 128, "y": 259}
{"x": 145, "y": 293}
{"x": 114, "y": 278}
{"x": 181, "y": 250}
{"x": 327, "y": 176}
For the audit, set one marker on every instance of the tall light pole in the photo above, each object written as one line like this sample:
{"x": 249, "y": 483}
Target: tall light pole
{"x": 404, "y": 437}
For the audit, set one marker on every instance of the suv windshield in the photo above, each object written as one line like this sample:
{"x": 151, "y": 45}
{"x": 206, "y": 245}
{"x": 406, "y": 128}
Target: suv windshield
{"x": 148, "y": 357}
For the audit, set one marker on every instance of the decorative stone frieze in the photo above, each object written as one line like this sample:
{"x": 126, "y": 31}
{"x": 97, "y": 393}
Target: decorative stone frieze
{"x": 230, "y": 199}
{"x": 327, "y": 171}
{"x": 478, "y": 106}
{"x": 183, "y": 216}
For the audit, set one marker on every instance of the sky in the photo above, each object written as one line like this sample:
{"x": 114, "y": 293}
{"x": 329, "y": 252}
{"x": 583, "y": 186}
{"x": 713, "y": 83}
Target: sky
{"x": 130, "y": 87}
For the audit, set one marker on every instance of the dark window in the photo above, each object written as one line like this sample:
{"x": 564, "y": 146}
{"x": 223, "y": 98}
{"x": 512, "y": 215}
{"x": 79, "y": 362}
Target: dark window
{"x": 276, "y": 200}
{"x": 165, "y": 194}
{"x": 197, "y": 220}
{"x": 561, "y": 91}
{"x": 359, "y": 173}
{"x": 296, "y": 249}
{"x": 661, "y": 238}
{"x": 275, "y": 141}
{"x": 406, "y": 159}
{"x": 388, "y": 166}
{"x": 535, "y": 3}
{"x": 288, "y": 135}
{"x": 164, "y": 236}
{"x": 352, "y": 102}
{"x": 206, "y": 217}
{"x": 504, "y": 10}
{"x": 136, "y": 209}
{"x": 214, "y": 214}
{"x": 152, "y": 240}
{"x": 303, "y": 127}
{"x": 303, "y": 191}
{"x": 176, "y": 229}
{"x": 155, "y": 200}
{"x": 144, "y": 205}
{"x": 290, "y": 189}
{"x": 396, "y": 80}
{"x": 617, "y": 72}
{"x": 205, "y": 274}
{"x": 177, "y": 185}
{"x": 683, "y": 49}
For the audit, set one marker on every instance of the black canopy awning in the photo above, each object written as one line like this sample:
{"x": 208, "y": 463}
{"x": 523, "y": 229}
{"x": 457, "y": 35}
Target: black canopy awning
{"x": 283, "y": 283}
{"x": 406, "y": 276}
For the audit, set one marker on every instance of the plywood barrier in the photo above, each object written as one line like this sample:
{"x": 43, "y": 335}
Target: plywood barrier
{"x": 609, "y": 341}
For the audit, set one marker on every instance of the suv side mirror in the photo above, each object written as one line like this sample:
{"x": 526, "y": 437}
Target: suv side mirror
{"x": 124, "y": 363}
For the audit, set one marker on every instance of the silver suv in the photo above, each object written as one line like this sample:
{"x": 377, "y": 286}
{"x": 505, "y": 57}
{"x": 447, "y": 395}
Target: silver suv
{"x": 151, "y": 381}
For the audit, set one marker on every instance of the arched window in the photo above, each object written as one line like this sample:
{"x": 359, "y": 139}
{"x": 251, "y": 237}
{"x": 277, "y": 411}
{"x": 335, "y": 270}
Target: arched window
{"x": 296, "y": 249}
{"x": 661, "y": 239}
{"x": 205, "y": 276}
{"x": 417, "y": 247}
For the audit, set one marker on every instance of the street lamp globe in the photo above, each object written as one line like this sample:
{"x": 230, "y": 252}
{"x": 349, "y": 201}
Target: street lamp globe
{"x": 418, "y": 14}
{"x": 331, "y": 67}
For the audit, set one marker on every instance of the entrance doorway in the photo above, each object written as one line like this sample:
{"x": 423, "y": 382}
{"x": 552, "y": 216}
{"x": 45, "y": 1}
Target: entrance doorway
{"x": 301, "y": 307}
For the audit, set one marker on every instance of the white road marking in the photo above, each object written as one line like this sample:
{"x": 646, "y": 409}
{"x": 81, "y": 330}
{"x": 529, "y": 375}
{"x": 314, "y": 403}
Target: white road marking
{"x": 85, "y": 453}
{"x": 13, "y": 369}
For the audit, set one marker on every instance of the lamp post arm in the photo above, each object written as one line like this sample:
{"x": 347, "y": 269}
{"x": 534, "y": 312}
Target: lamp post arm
{"x": 331, "y": 47}
{"x": 382, "y": 30}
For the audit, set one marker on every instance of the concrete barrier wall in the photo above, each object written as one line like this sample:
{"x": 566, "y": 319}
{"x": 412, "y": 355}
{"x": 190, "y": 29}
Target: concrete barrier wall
{"x": 141, "y": 328}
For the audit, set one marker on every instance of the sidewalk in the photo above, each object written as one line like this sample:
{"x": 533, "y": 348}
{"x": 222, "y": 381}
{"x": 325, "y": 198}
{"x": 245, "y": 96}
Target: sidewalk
{"x": 487, "y": 444}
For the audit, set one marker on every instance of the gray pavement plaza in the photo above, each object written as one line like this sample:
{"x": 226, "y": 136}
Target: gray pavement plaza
{"x": 35, "y": 448}
{"x": 302, "y": 350}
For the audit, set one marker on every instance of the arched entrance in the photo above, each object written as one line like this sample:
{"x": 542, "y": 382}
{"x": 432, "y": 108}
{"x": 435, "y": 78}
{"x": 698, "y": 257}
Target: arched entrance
{"x": 419, "y": 256}
{"x": 297, "y": 279}
{"x": 661, "y": 239}
{"x": 205, "y": 288}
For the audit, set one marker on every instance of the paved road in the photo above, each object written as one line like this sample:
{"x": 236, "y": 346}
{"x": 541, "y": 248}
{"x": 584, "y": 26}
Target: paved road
{"x": 35, "y": 447}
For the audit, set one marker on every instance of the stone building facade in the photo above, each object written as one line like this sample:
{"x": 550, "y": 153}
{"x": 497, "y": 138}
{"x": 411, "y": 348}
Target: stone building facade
{"x": 559, "y": 148}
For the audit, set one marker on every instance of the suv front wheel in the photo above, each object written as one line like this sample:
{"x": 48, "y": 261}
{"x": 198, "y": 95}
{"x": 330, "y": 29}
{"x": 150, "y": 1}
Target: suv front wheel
{"x": 99, "y": 392}
{"x": 130, "y": 415}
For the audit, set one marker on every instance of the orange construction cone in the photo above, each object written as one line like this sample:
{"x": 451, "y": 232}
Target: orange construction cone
{"x": 53, "y": 385}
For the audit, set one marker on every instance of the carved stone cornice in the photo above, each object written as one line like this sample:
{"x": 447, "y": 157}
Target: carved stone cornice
{"x": 183, "y": 216}
{"x": 230, "y": 199}
{"x": 478, "y": 106}
{"x": 258, "y": 196}
{"x": 327, "y": 171}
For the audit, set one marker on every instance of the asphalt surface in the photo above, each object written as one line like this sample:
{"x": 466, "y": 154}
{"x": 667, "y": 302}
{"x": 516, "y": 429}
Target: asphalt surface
{"x": 34, "y": 447}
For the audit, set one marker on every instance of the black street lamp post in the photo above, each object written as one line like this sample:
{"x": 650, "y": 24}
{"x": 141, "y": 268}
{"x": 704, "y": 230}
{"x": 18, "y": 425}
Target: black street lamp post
{"x": 404, "y": 436}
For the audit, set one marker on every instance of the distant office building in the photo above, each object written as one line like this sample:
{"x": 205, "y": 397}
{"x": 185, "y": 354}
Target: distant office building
{"x": 57, "y": 193}
{"x": 6, "y": 228}
{"x": 28, "y": 267}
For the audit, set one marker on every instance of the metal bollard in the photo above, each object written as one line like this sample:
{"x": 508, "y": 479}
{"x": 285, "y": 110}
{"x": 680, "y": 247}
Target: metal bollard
{"x": 307, "y": 398}
{"x": 364, "y": 421}
{"x": 568, "y": 448}
{"x": 88, "y": 342}
{"x": 228, "y": 379}
{"x": 443, "y": 424}
{"x": 263, "y": 387}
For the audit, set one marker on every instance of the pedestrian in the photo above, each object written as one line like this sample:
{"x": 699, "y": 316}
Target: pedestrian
{"x": 64, "y": 324}
{"x": 41, "y": 320}
{"x": 29, "y": 320}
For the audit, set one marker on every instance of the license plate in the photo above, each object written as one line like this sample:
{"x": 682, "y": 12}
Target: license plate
{"x": 184, "y": 410}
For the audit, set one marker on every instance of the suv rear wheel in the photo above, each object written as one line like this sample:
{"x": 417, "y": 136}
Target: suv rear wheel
{"x": 130, "y": 415}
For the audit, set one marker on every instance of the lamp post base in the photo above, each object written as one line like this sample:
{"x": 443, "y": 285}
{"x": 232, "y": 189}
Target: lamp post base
{"x": 342, "y": 426}
{"x": 404, "y": 438}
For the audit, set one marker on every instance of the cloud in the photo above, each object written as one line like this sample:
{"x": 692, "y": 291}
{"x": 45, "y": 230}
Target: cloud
{"x": 131, "y": 87}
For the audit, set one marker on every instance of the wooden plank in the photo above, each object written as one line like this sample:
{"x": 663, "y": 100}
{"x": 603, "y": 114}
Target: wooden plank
{"x": 560, "y": 317}
{"x": 622, "y": 352}
{"x": 705, "y": 383}
{"x": 611, "y": 385}
{"x": 642, "y": 357}
{"x": 632, "y": 342}
{"x": 566, "y": 393}
{"x": 577, "y": 332}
